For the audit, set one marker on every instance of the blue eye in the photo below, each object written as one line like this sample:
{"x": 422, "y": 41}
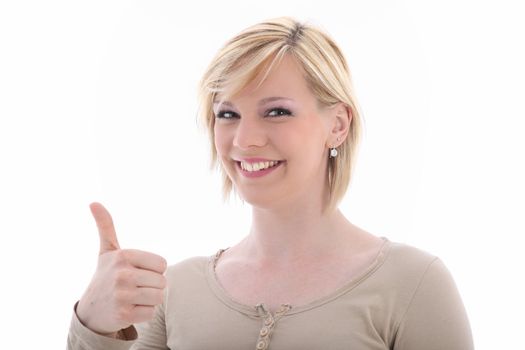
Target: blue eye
{"x": 226, "y": 115}
{"x": 278, "y": 112}
{"x": 273, "y": 112}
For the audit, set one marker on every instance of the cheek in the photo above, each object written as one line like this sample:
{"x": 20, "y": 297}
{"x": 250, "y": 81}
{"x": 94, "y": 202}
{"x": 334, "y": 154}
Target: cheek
{"x": 220, "y": 140}
{"x": 309, "y": 137}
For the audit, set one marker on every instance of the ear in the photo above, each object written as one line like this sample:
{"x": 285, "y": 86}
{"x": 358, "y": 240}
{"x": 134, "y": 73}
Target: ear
{"x": 340, "y": 121}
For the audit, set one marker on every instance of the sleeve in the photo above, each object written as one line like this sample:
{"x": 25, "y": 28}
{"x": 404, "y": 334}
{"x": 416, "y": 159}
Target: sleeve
{"x": 435, "y": 318}
{"x": 151, "y": 335}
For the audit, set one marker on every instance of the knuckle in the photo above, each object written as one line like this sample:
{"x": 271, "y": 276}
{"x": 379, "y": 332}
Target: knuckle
{"x": 158, "y": 296}
{"x": 121, "y": 297}
{"x": 121, "y": 256}
{"x": 163, "y": 282}
{"x": 124, "y": 315}
{"x": 163, "y": 264}
{"x": 123, "y": 277}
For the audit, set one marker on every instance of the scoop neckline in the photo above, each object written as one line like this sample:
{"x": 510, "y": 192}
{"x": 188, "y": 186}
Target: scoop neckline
{"x": 251, "y": 310}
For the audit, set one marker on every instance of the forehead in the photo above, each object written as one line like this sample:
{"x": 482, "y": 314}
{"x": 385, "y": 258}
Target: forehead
{"x": 285, "y": 79}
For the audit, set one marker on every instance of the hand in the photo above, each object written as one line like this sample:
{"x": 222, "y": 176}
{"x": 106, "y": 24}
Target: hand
{"x": 126, "y": 286}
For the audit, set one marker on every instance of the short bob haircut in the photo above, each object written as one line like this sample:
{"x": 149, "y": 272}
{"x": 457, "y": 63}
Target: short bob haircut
{"x": 325, "y": 70}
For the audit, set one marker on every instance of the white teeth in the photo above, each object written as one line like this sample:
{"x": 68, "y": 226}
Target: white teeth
{"x": 258, "y": 166}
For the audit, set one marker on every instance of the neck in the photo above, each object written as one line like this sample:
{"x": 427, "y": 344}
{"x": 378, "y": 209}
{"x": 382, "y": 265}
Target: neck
{"x": 295, "y": 229}
{"x": 291, "y": 233}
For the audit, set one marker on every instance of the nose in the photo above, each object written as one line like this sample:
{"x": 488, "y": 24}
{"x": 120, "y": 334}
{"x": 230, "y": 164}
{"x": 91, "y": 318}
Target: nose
{"x": 249, "y": 133}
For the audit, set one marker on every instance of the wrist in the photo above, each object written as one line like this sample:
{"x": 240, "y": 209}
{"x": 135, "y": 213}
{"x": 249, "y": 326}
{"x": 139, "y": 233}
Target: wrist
{"x": 84, "y": 320}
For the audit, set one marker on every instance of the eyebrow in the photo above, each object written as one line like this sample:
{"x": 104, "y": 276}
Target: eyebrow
{"x": 261, "y": 102}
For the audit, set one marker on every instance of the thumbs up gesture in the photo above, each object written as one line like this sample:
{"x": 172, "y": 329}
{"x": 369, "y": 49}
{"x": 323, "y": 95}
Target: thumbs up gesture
{"x": 126, "y": 286}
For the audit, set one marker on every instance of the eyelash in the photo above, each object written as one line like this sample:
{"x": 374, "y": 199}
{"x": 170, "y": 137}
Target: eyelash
{"x": 220, "y": 114}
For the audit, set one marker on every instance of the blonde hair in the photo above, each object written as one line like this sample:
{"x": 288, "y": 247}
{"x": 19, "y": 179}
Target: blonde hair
{"x": 325, "y": 69}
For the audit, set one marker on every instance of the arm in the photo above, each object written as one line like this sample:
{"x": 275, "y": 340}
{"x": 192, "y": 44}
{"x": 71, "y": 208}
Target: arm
{"x": 435, "y": 318}
{"x": 81, "y": 337}
{"x": 152, "y": 336}
{"x": 128, "y": 288}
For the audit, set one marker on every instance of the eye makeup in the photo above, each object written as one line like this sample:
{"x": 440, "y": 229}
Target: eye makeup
{"x": 274, "y": 112}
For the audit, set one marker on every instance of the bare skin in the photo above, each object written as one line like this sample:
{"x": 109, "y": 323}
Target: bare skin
{"x": 294, "y": 253}
{"x": 126, "y": 286}
{"x": 306, "y": 278}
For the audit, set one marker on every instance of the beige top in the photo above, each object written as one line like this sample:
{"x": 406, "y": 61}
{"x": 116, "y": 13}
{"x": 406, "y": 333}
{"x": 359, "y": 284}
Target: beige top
{"x": 405, "y": 300}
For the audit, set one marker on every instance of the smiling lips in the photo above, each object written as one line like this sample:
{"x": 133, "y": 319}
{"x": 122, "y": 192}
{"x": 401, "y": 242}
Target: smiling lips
{"x": 257, "y": 166}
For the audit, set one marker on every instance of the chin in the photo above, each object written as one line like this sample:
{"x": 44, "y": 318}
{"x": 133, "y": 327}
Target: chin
{"x": 257, "y": 198}
{"x": 262, "y": 198}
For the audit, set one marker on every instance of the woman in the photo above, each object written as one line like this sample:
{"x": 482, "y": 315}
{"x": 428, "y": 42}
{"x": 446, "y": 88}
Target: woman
{"x": 284, "y": 126}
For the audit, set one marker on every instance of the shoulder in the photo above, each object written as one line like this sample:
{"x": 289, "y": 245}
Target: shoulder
{"x": 404, "y": 259}
{"x": 192, "y": 267}
{"x": 409, "y": 254}
{"x": 423, "y": 267}
{"x": 186, "y": 277}
{"x": 188, "y": 288}
{"x": 406, "y": 268}
{"x": 410, "y": 272}
{"x": 429, "y": 303}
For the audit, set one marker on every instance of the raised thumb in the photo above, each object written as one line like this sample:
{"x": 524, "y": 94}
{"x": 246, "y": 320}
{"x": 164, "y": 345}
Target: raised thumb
{"x": 106, "y": 229}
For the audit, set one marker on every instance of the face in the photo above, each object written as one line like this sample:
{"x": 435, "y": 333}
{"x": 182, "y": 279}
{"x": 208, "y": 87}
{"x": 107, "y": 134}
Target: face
{"x": 273, "y": 141}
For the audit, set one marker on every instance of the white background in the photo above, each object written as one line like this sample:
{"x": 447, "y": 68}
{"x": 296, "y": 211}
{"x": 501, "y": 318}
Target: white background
{"x": 98, "y": 103}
